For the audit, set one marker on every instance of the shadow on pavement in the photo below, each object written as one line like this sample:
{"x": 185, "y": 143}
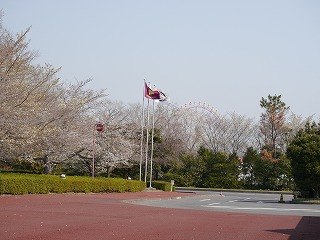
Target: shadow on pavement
{"x": 307, "y": 229}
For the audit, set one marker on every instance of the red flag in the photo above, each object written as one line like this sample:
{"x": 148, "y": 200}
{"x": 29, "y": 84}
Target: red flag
{"x": 151, "y": 93}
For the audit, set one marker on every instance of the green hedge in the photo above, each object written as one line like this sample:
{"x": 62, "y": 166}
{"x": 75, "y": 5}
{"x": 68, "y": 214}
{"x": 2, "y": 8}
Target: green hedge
{"x": 161, "y": 185}
{"x": 36, "y": 184}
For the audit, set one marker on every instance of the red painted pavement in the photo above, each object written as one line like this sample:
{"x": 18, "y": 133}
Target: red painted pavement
{"x": 105, "y": 216}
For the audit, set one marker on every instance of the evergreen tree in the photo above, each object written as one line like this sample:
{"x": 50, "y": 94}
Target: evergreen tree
{"x": 304, "y": 152}
{"x": 250, "y": 159}
{"x": 221, "y": 171}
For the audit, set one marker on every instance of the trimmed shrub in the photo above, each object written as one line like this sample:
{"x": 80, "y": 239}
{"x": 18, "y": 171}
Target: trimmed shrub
{"x": 39, "y": 184}
{"x": 161, "y": 185}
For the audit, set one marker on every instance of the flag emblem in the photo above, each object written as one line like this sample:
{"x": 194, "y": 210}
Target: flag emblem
{"x": 151, "y": 93}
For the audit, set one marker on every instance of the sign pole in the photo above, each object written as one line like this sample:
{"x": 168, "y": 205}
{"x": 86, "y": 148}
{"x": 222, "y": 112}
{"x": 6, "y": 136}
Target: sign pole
{"x": 99, "y": 127}
{"x": 93, "y": 142}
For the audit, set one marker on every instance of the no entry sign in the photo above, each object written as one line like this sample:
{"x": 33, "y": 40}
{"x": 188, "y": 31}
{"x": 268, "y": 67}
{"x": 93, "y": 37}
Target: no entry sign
{"x": 100, "y": 127}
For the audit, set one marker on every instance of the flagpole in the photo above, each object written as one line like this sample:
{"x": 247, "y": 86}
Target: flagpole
{"x": 151, "y": 93}
{"x": 142, "y": 128}
{"x": 152, "y": 134}
{"x": 147, "y": 141}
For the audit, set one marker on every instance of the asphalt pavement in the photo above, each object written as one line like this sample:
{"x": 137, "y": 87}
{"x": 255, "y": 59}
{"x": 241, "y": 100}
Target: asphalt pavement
{"x": 241, "y": 202}
{"x": 114, "y": 216}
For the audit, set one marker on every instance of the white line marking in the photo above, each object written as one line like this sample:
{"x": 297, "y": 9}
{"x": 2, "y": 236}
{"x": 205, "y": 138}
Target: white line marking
{"x": 210, "y": 204}
{"x": 203, "y": 200}
{"x": 270, "y": 209}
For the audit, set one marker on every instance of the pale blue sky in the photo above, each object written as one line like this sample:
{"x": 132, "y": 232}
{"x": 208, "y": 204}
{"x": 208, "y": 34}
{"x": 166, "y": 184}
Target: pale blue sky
{"x": 228, "y": 54}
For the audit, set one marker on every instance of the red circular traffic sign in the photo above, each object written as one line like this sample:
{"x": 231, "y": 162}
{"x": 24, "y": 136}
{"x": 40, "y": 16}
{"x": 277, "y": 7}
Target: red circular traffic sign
{"x": 100, "y": 127}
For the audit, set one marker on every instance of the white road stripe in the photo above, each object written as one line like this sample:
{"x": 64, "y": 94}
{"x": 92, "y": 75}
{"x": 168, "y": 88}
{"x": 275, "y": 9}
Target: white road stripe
{"x": 270, "y": 209}
{"x": 210, "y": 204}
{"x": 203, "y": 200}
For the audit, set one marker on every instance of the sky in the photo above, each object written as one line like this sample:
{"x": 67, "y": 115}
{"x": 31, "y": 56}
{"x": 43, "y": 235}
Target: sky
{"x": 227, "y": 54}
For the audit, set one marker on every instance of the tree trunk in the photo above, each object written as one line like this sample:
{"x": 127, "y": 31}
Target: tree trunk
{"x": 47, "y": 167}
{"x": 316, "y": 193}
{"x": 109, "y": 170}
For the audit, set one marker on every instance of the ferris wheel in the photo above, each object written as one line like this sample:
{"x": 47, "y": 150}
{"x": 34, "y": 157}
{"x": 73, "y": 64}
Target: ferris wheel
{"x": 201, "y": 105}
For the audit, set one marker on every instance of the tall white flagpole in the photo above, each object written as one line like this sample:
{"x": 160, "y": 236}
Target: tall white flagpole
{"x": 142, "y": 128}
{"x": 152, "y": 134}
{"x": 147, "y": 141}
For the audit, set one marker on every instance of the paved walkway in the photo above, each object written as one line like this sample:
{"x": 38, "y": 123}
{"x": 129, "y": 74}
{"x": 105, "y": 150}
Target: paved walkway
{"x": 106, "y": 216}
